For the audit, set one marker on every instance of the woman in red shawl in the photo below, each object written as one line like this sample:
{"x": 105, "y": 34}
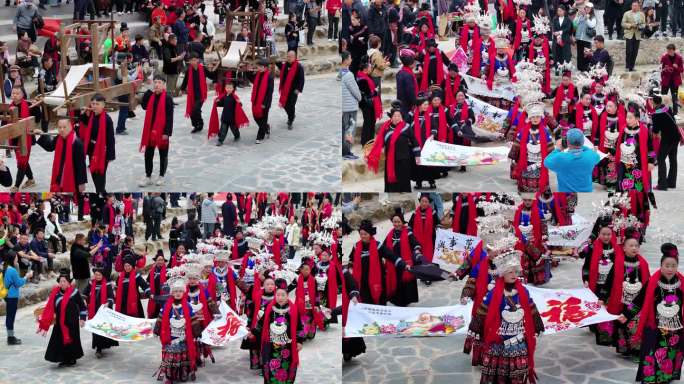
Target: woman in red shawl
{"x": 260, "y": 295}
{"x": 424, "y": 222}
{"x": 98, "y": 293}
{"x": 203, "y": 304}
{"x": 533, "y": 142}
{"x": 328, "y": 279}
{"x": 156, "y": 279}
{"x": 635, "y": 157}
{"x": 528, "y": 229}
{"x": 66, "y": 307}
{"x": 23, "y": 167}
{"x": 402, "y": 287}
{"x": 508, "y": 323}
{"x": 128, "y": 287}
{"x": 195, "y": 84}
{"x": 307, "y": 299}
{"x": 176, "y": 327}
{"x": 660, "y": 321}
{"x": 611, "y": 123}
{"x": 628, "y": 276}
{"x": 279, "y": 331}
{"x": 422, "y": 130}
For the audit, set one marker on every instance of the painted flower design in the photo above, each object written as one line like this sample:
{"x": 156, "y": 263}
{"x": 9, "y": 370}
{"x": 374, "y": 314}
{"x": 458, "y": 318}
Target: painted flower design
{"x": 274, "y": 364}
{"x": 636, "y": 173}
{"x": 281, "y": 375}
{"x": 660, "y": 354}
{"x": 666, "y": 366}
{"x": 674, "y": 340}
{"x": 286, "y": 353}
{"x": 627, "y": 183}
{"x": 649, "y": 370}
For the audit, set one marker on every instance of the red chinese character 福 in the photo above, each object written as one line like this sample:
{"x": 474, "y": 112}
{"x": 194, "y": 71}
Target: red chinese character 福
{"x": 566, "y": 311}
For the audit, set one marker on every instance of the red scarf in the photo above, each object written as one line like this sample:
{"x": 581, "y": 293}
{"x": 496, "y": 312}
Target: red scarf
{"x": 472, "y": 214}
{"x": 153, "y": 131}
{"x": 67, "y": 182}
{"x": 493, "y": 322}
{"x": 49, "y": 313}
{"x": 165, "y": 336}
{"x": 202, "y": 298}
{"x": 646, "y": 315}
{"x": 422, "y": 229}
{"x": 110, "y": 210}
{"x": 579, "y": 118}
{"x": 475, "y": 69}
{"x": 374, "y": 269}
{"x": 278, "y": 242}
{"x": 603, "y": 127}
{"x": 535, "y": 220}
{"x": 301, "y": 299}
{"x": 463, "y": 116}
{"x": 23, "y": 160}
{"x": 213, "y": 280}
{"x": 390, "y": 267}
{"x": 424, "y": 79}
{"x": 518, "y": 32}
{"x": 450, "y": 90}
{"x": 191, "y": 88}
{"x": 507, "y": 9}
{"x": 286, "y": 82}
{"x": 377, "y": 102}
{"x": 615, "y": 299}
{"x": 546, "y": 88}
{"x": 266, "y": 336}
{"x": 239, "y": 116}
{"x": 417, "y": 126}
{"x": 474, "y": 46}
{"x": 151, "y": 304}
{"x": 248, "y": 209}
{"x": 492, "y": 64}
{"x": 98, "y": 160}
{"x": 481, "y": 283}
{"x": 259, "y": 93}
{"x": 257, "y": 293}
{"x": 561, "y": 94}
{"x": 92, "y": 297}
{"x": 234, "y": 251}
{"x": 444, "y": 134}
{"x": 596, "y": 254}
{"x": 333, "y": 272}
{"x": 132, "y": 304}
{"x": 413, "y": 77}
{"x": 643, "y": 153}
{"x": 373, "y": 159}
{"x": 522, "y": 160}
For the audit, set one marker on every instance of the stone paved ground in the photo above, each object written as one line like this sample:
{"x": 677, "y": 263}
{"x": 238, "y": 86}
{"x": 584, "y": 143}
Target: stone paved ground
{"x": 306, "y": 158}
{"x": 567, "y": 358}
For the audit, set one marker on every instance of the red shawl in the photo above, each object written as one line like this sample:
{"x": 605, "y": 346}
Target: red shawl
{"x": 239, "y": 116}
{"x": 259, "y": 93}
{"x": 563, "y": 93}
{"x": 333, "y": 271}
{"x": 507, "y": 9}
{"x": 202, "y": 298}
{"x": 191, "y": 88}
{"x": 424, "y": 79}
{"x": 248, "y": 208}
{"x": 374, "y": 269}
{"x": 518, "y": 32}
{"x": 535, "y": 220}
{"x": 646, "y": 315}
{"x": 493, "y": 322}
{"x": 278, "y": 243}
{"x": 49, "y": 313}
{"x": 615, "y": 299}
{"x": 603, "y": 126}
{"x": 67, "y": 182}
{"x": 132, "y": 303}
{"x": 492, "y": 69}
{"x": 98, "y": 159}
{"x": 444, "y": 133}
{"x": 373, "y": 159}
{"x": 165, "y": 336}
{"x": 300, "y": 299}
{"x": 266, "y": 336}
{"x": 110, "y": 224}
{"x": 416, "y": 126}
{"x": 546, "y": 88}
{"x": 406, "y": 256}
{"x": 579, "y": 118}
{"x": 92, "y": 297}
{"x": 596, "y": 254}
{"x": 231, "y": 287}
{"x": 23, "y": 160}
{"x": 474, "y": 46}
{"x": 155, "y": 123}
{"x": 377, "y": 102}
{"x": 423, "y": 230}
{"x": 151, "y": 303}
{"x": 522, "y": 159}
{"x": 234, "y": 251}
{"x": 643, "y": 153}
{"x": 413, "y": 77}
{"x": 286, "y": 82}
{"x": 475, "y": 67}
{"x": 450, "y": 90}
{"x": 257, "y": 293}
{"x": 481, "y": 282}
{"x": 472, "y": 214}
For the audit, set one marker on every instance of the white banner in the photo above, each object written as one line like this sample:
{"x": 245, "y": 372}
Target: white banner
{"x": 452, "y": 249}
{"x": 227, "y": 328}
{"x": 438, "y": 154}
{"x": 117, "y": 326}
{"x": 478, "y": 87}
{"x": 569, "y": 235}
{"x": 489, "y": 120}
{"x": 377, "y": 320}
{"x": 566, "y": 309}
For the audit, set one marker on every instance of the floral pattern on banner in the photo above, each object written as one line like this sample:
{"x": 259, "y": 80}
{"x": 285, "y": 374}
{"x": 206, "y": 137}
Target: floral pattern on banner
{"x": 425, "y": 325}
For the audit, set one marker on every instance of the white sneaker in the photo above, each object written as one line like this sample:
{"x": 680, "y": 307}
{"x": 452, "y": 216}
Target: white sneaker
{"x": 146, "y": 182}
{"x": 160, "y": 180}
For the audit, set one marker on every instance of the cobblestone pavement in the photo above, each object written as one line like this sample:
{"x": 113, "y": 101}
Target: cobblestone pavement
{"x": 306, "y": 158}
{"x": 567, "y": 358}
{"x": 136, "y": 362}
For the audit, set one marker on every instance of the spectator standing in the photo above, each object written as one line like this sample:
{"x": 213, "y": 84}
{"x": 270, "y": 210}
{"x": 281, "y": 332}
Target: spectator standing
{"x": 377, "y": 20}
{"x": 613, "y": 18}
{"x": 665, "y": 125}
{"x": 677, "y": 17}
{"x": 334, "y": 8}
{"x": 600, "y": 55}
{"x": 158, "y": 211}
{"x": 23, "y": 19}
{"x": 13, "y": 282}
{"x": 229, "y": 213}
{"x": 312, "y": 10}
{"x": 210, "y": 214}
{"x": 172, "y": 63}
{"x": 378, "y": 62}
{"x": 585, "y": 30}
{"x": 671, "y": 69}
{"x": 180, "y": 29}
{"x": 633, "y": 22}
{"x": 351, "y": 96}
{"x": 79, "y": 257}
{"x": 562, "y": 27}
{"x": 573, "y": 167}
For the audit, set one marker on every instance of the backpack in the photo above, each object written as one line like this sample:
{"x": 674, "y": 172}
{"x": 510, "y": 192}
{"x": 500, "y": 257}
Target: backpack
{"x": 3, "y": 290}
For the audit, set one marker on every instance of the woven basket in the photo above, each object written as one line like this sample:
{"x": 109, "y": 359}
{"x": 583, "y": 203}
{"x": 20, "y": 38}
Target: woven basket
{"x": 367, "y": 148}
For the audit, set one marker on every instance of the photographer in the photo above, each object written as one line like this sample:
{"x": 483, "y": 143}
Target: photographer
{"x": 585, "y": 31}
{"x": 633, "y": 23}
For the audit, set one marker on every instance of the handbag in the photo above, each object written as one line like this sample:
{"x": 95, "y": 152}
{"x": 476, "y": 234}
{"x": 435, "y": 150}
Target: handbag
{"x": 38, "y": 21}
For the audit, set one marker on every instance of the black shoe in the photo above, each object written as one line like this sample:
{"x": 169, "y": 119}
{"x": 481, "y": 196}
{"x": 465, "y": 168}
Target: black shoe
{"x": 237, "y": 138}
{"x": 131, "y": 114}
{"x": 462, "y": 169}
{"x": 289, "y": 125}
{"x": 11, "y": 340}
{"x": 218, "y": 144}
{"x": 347, "y": 356}
{"x": 195, "y": 130}
{"x": 41, "y": 6}
{"x": 99, "y": 354}
{"x": 660, "y": 188}
{"x": 124, "y": 132}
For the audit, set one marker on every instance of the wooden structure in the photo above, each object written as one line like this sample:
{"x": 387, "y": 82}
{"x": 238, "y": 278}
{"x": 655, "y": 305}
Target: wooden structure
{"x": 251, "y": 18}
{"x": 13, "y": 128}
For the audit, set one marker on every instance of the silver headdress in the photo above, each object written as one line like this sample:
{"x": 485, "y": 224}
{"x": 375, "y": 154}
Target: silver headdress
{"x": 528, "y": 88}
{"x": 541, "y": 25}
{"x": 501, "y": 37}
{"x": 508, "y": 261}
{"x": 175, "y": 278}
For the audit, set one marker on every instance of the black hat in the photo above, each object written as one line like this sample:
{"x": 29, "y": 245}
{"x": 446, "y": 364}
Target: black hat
{"x": 669, "y": 250}
{"x": 98, "y": 268}
{"x": 124, "y": 26}
{"x": 398, "y": 212}
{"x": 425, "y": 195}
{"x": 160, "y": 252}
{"x": 66, "y": 273}
{"x": 437, "y": 93}
{"x": 129, "y": 258}
{"x": 395, "y": 104}
{"x": 367, "y": 226}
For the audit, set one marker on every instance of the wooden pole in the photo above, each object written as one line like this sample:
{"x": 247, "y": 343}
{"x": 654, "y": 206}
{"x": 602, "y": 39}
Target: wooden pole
{"x": 63, "y": 60}
{"x": 2, "y": 77}
{"x": 96, "y": 57}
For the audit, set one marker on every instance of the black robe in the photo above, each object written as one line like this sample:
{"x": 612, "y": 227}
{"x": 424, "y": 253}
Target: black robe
{"x": 407, "y": 292}
{"x": 142, "y": 286}
{"x": 100, "y": 342}
{"x": 56, "y": 351}
{"x": 49, "y": 144}
{"x": 352, "y": 346}
{"x": 404, "y": 159}
{"x": 384, "y": 254}
{"x": 110, "y": 141}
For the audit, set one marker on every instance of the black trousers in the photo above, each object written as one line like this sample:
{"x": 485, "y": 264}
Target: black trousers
{"x": 290, "y": 107}
{"x": 149, "y": 161}
{"x": 582, "y": 62}
{"x": 100, "y": 180}
{"x": 156, "y": 228}
{"x": 57, "y": 239}
{"x": 562, "y": 53}
{"x": 333, "y": 25}
{"x": 149, "y": 227}
{"x": 196, "y": 115}
{"x": 223, "y": 132}
{"x": 613, "y": 20}
{"x": 80, "y": 203}
{"x": 672, "y": 89}
{"x": 368, "y": 129}
{"x": 632, "y": 47}
{"x": 668, "y": 150}
{"x": 37, "y": 266}
{"x": 21, "y": 173}
{"x": 311, "y": 22}
{"x": 31, "y": 32}
{"x": 262, "y": 123}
